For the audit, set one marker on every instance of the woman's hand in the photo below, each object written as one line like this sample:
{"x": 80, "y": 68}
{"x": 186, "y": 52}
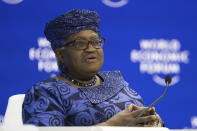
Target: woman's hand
{"x": 150, "y": 118}
{"x": 156, "y": 123}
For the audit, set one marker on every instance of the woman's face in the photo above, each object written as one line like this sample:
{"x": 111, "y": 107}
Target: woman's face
{"x": 82, "y": 63}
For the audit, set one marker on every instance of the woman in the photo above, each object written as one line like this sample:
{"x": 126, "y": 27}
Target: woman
{"x": 81, "y": 95}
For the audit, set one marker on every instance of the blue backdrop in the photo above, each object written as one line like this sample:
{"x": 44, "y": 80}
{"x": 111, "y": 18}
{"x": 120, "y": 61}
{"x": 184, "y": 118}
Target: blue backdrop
{"x": 145, "y": 40}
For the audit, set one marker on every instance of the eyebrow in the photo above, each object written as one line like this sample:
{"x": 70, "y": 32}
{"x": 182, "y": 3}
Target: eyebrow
{"x": 92, "y": 37}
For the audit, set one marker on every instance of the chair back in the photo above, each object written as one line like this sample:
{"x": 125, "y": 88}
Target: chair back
{"x": 13, "y": 114}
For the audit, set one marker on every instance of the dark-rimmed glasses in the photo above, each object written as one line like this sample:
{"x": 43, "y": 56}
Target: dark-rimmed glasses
{"x": 81, "y": 44}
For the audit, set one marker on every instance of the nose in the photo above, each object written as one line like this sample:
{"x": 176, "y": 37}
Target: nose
{"x": 90, "y": 48}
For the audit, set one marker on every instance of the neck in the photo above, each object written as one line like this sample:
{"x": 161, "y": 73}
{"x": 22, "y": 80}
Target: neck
{"x": 98, "y": 82}
{"x": 88, "y": 83}
{"x": 81, "y": 78}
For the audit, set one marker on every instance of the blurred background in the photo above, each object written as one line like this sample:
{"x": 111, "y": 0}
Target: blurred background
{"x": 145, "y": 40}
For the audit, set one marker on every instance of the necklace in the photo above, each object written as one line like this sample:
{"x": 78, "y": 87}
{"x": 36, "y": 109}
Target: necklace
{"x": 65, "y": 75}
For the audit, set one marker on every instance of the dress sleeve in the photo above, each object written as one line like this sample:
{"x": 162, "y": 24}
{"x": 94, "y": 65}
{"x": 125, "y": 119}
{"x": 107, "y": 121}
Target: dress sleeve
{"x": 42, "y": 106}
{"x": 138, "y": 101}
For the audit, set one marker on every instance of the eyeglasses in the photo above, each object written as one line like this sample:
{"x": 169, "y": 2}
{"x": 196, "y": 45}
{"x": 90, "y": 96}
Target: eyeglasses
{"x": 83, "y": 44}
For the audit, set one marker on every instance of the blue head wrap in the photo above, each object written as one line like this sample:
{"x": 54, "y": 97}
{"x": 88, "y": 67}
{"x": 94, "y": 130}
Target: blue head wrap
{"x": 69, "y": 23}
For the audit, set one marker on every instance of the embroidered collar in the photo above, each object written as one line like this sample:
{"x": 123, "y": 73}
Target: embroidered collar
{"x": 113, "y": 83}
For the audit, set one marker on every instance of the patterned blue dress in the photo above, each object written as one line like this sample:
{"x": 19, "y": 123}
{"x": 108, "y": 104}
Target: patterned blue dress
{"x": 53, "y": 102}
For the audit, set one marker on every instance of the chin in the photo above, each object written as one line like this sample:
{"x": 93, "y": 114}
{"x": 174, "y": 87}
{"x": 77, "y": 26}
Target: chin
{"x": 93, "y": 70}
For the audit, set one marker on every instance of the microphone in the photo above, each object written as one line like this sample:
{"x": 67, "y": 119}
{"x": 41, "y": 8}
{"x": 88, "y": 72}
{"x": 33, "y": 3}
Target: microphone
{"x": 168, "y": 80}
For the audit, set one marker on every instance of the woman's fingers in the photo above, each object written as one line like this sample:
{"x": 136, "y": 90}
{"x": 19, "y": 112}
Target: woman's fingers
{"x": 136, "y": 113}
{"x": 150, "y": 111}
{"x": 138, "y": 125}
{"x": 149, "y": 126}
{"x": 147, "y": 119}
{"x": 130, "y": 109}
{"x": 145, "y": 125}
{"x": 138, "y": 108}
{"x": 129, "y": 114}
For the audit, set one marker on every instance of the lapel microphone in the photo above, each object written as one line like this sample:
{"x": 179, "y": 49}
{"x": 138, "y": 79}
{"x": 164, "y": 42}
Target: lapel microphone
{"x": 168, "y": 80}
